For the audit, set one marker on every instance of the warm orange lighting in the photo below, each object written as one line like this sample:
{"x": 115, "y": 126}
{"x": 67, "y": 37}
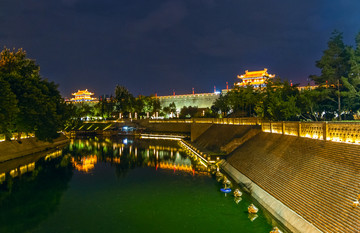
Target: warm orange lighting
{"x": 14, "y": 172}
{"x": 82, "y": 96}
{"x": 2, "y": 178}
{"x": 53, "y": 155}
{"x": 85, "y": 164}
{"x": 254, "y": 78}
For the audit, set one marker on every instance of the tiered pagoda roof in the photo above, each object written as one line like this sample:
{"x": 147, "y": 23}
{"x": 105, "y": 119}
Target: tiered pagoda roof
{"x": 82, "y": 96}
{"x": 254, "y": 78}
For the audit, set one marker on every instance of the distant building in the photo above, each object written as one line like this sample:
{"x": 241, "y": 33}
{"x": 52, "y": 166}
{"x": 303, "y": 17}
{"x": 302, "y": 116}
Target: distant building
{"x": 83, "y": 96}
{"x": 254, "y": 78}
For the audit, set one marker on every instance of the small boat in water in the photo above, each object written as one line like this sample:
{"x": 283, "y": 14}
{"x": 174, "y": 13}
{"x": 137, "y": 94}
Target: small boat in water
{"x": 219, "y": 174}
{"x": 276, "y": 230}
{"x": 226, "y": 181}
{"x": 237, "y": 200}
{"x": 237, "y": 193}
{"x": 252, "y": 209}
{"x": 225, "y": 190}
{"x": 252, "y": 217}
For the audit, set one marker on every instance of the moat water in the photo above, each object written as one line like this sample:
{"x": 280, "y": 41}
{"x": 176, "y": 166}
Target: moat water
{"x": 119, "y": 185}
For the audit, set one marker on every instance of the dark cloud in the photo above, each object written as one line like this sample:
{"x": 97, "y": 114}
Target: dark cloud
{"x": 166, "y": 16}
{"x": 161, "y": 45}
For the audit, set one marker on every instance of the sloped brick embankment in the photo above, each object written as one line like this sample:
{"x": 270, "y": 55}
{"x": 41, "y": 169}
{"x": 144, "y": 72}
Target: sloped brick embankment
{"x": 318, "y": 180}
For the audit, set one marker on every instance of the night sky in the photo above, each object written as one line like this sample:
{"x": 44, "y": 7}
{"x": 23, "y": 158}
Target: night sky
{"x": 164, "y": 45}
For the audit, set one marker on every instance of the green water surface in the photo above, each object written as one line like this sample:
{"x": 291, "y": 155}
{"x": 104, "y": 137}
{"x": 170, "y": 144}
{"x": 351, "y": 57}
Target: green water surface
{"x": 119, "y": 185}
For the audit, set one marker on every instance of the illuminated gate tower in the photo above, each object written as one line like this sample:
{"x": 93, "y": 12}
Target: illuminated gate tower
{"x": 254, "y": 78}
{"x": 82, "y": 96}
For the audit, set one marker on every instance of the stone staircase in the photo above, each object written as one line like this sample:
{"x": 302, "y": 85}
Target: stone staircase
{"x": 318, "y": 180}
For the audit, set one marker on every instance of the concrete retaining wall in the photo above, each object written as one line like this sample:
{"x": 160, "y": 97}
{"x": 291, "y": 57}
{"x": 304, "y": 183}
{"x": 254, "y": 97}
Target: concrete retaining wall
{"x": 14, "y": 149}
{"x": 198, "y": 129}
{"x": 165, "y": 127}
{"x": 218, "y": 136}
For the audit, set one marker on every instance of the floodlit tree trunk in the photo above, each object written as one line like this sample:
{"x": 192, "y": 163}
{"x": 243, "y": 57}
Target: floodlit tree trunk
{"x": 7, "y": 137}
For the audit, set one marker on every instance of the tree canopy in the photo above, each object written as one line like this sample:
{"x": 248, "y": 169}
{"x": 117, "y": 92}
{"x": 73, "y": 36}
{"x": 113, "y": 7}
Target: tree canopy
{"x": 34, "y": 105}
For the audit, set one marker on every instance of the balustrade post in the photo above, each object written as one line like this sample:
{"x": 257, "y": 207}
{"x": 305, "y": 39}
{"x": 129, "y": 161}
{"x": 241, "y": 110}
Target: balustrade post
{"x": 299, "y": 129}
{"x": 283, "y": 128}
{"x": 325, "y": 130}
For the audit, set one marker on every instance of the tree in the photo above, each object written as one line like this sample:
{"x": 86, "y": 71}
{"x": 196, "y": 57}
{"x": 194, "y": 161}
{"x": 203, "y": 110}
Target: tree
{"x": 124, "y": 99}
{"x": 166, "y": 110}
{"x": 147, "y": 104}
{"x": 51, "y": 118}
{"x": 333, "y": 63}
{"x": 104, "y": 108}
{"x": 8, "y": 109}
{"x": 139, "y": 105}
{"x": 242, "y": 100}
{"x": 39, "y": 102}
{"x": 351, "y": 92}
{"x": 279, "y": 101}
{"x": 70, "y": 115}
{"x": 334, "y": 66}
{"x": 221, "y": 105}
{"x": 188, "y": 112}
{"x": 309, "y": 104}
{"x": 172, "y": 107}
{"x": 169, "y": 109}
{"x": 156, "y": 106}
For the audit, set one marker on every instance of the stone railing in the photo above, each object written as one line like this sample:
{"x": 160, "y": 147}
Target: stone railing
{"x": 229, "y": 121}
{"x": 15, "y": 135}
{"x": 331, "y": 131}
{"x": 172, "y": 121}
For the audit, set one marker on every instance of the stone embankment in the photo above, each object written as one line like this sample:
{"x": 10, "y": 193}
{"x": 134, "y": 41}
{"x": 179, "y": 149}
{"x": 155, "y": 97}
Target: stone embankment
{"x": 15, "y": 149}
{"x": 310, "y": 185}
{"x": 318, "y": 180}
{"x": 224, "y": 138}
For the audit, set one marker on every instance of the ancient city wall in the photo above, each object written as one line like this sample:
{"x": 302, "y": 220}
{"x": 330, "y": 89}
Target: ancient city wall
{"x": 204, "y": 100}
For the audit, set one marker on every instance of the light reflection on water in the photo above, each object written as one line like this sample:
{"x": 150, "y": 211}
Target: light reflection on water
{"x": 138, "y": 186}
{"x": 164, "y": 156}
